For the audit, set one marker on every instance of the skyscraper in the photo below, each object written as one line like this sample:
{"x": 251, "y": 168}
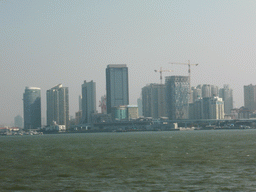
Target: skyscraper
{"x": 32, "y": 107}
{"x": 58, "y": 105}
{"x": 226, "y": 93}
{"x": 250, "y": 97}
{"x": 206, "y": 90}
{"x": 88, "y": 101}
{"x": 153, "y": 101}
{"x": 177, "y": 96}
{"x": 196, "y": 92}
{"x": 80, "y": 102}
{"x": 117, "y": 86}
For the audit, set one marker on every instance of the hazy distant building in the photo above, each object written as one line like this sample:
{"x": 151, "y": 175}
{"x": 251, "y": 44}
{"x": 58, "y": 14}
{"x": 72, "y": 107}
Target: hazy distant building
{"x": 32, "y": 108}
{"x": 140, "y": 108}
{"x": 119, "y": 113}
{"x": 154, "y": 101}
{"x": 103, "y": 106}
{"x": 196, "y": 92}
{"x": 88, "y": 101}
{"x": 244, "y": 113}
{"x": 206, "y": 90}
{"x": 209, "y": 90}
{"x": 196, "y": 109}
{"x": 217, "y": 108}
{"x": 58, "y": 106}
{"x": 226, "y": 93}
{"x": 132, "y": 111}
{"x": 18, "y": 121}
{"x": 78, "y": 117}
{"x": 208, "y": 108}
{"x": 125, "y": 112}
{"x": 214, "y": 91}
{"x": 117, "y": 86}
{"x": 177, "y": 96}
{"x": 250, "y": 97}
{"x": 80, "y": 102}
{"x": 146, "y": 101}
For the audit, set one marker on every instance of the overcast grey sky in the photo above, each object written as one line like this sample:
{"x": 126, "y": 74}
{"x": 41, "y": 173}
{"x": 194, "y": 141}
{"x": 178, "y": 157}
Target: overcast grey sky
{"x": 44, "y": 43}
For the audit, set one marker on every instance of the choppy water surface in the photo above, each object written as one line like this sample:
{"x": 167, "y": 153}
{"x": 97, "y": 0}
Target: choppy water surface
{"x": 138, "y": 161}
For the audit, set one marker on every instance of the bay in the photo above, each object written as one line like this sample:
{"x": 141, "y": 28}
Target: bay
{"x": 215, "y": 160}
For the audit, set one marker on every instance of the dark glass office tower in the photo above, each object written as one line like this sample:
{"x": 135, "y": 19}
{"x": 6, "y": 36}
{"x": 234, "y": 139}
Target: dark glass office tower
{"x": 117, "y": 86}
{"x": 32, "y": 108}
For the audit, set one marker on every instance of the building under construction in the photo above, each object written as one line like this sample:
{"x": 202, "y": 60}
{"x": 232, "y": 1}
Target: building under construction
{"x": 177, "y": 97}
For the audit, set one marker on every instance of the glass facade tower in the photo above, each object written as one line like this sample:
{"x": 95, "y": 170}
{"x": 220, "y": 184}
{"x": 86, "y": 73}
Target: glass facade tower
{"x": 117, "y": 86}
{"x": 32, "y": 107}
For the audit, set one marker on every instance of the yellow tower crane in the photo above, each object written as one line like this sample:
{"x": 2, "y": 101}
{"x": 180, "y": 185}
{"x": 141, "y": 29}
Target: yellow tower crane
{"x": 161, "y": 74}
{"x": 189, "y": 71}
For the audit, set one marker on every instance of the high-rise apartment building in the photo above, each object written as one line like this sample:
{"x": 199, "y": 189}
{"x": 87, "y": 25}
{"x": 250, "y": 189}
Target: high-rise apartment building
{"x": 153, "y": 101}
{"x": 250, "y": 97}
{"x": 177, "y": 96}
{"x": 196, "y": 92}
{"x": 209, "y": 90}
{"x": 226, "y": 93}
{"x": 88, "y": 101}
{"x": 117, "y": 86}
{"x": 58, "y": 105}
{"x": 207, "y": 108}
{"x": 214, "y": 91}
{"x": 32, "y": 107}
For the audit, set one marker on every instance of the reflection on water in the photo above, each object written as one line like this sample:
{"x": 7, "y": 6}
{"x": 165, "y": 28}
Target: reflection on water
{"x": 145, "y": 161}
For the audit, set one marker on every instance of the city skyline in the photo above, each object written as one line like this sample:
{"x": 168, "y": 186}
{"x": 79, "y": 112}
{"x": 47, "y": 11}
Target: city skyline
{"x": 45, "y": 43}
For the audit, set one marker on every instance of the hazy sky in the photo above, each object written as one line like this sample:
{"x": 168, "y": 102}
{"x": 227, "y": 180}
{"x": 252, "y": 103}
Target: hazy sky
{"x": 44, "y": 43}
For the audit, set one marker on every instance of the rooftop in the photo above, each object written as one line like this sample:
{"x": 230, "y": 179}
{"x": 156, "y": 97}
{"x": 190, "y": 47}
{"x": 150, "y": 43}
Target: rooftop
{"x": 117, "y": 65}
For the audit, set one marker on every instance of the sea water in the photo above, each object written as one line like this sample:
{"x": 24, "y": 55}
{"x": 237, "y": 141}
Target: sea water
{"x": 223, "y": 160}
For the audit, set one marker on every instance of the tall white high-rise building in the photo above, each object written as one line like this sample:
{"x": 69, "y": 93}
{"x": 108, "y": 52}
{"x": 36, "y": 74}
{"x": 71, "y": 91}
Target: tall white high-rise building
{"x": 58, "y": 105}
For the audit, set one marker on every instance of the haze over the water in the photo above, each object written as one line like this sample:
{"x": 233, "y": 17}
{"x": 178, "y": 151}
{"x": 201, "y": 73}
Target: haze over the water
{"x": 44, "y": 43}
